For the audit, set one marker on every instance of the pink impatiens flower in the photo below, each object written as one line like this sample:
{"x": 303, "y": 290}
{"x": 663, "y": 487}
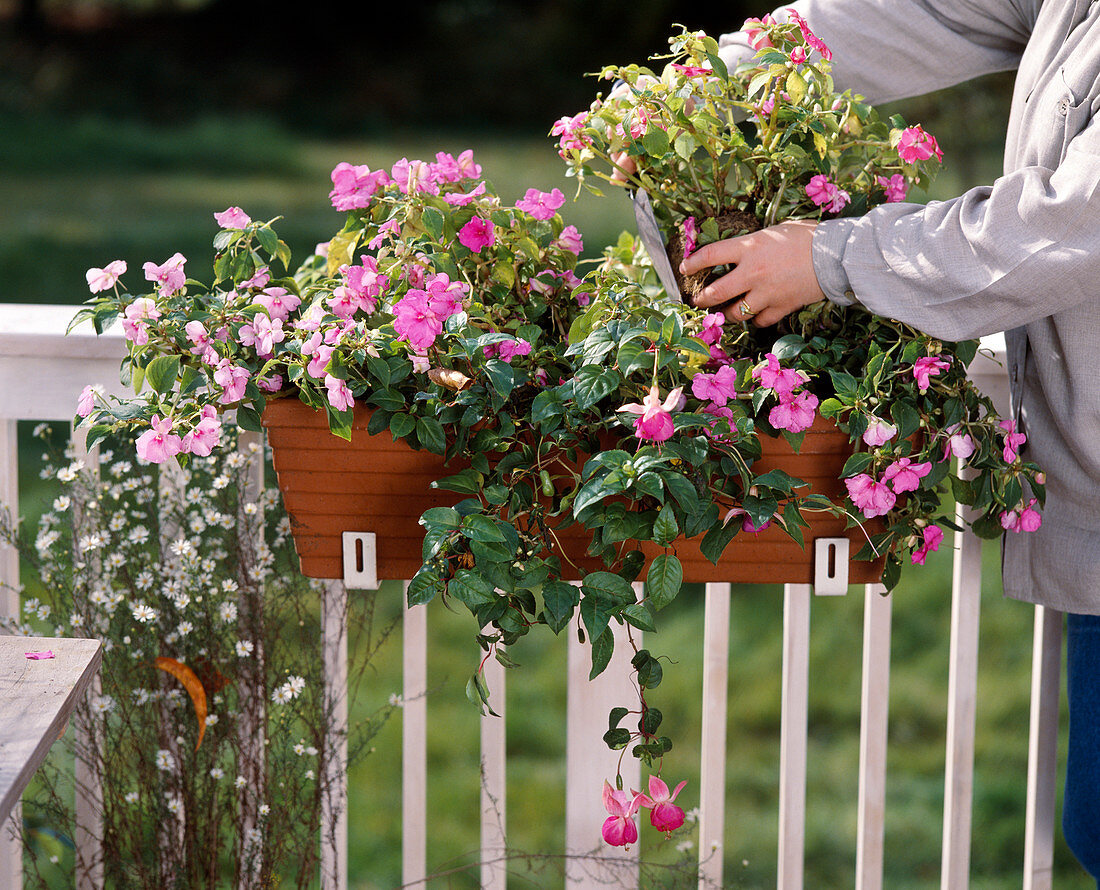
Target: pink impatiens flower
{"x": 794, "y": 414}
{"x": 872, "y": 497}
{"x": 158, "y": 444}
{"x": 959, "y": 443}
{"x": 86, "y": 400}
{"x": 339, "y": 396}
{"x": 811, "y": 39}
{"x": 932, "y": 535}
{"x": 477, "y": 234}
{"x": 414, "y": 176}
{"x": 619, "y": 828}
{"x": 927, "y": 367}
{"x": 664, "y": 814}
{"x": 654, "y": 421}
{"x": 917, "y": 145}
{"x": 232, "y": 218}
{"x": 691, "y": 236}
{"x": 718, "y": 387}
{"x": 353, "y": 186}
{"x": 879, "y": 432}
{"x": 541, "y": 205}
{"x": 782, "y": 381}
{"x": 414, "y": 320}
{"x": 895, "y": 187}
{"x": 105, "y": 278}
{"x": 904, "y": 475}
{"x": 827, "y": 194}
{"x": 233, "y": 379}
{"x": 756, "y": 30}
{"x": 206, "y": 435}
{"x": 169, "y": 275}
{"x": 1013, "y": 441}
{"x": 278, "y": 301}
{"x": 570, "y": 239}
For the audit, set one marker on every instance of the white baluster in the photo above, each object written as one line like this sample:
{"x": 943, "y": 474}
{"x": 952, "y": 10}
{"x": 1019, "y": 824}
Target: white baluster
{"x": 11, "y": 835}
{"x": 414, "y": 730}
{"x": 334, "y": 793}
{"x": 712, "y": 773}
{"x": 874, "y": 719}
{"x": 793, "y": 735}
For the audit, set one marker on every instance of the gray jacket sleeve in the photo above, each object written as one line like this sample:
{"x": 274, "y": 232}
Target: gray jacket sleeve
{"x": 979, "y": 263}
{"x": 891, "y": 49}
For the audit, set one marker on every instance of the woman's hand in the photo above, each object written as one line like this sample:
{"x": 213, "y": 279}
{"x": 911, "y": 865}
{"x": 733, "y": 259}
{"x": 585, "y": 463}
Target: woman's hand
{"x": 773, "y": 274}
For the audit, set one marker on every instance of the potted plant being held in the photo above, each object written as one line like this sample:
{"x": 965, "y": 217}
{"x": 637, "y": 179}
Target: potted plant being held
{"x": 582, "y": 428}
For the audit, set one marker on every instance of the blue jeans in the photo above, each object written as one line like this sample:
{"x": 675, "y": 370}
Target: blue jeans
{"x": 1081, "y": 808}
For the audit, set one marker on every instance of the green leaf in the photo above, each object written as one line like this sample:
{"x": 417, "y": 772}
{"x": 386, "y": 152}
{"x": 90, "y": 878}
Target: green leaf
{"x": 663, "y": 581}
{"x": 640, "y": 615}
{"x": 617, "y": 739}
{"x": 651, "y": 721}
{"x": 665, "y": 528}
{"x": 715, "y": 540}
{"x": 857, "y": 463}
{"x": 269, "y": 241}
{"x": 655, "y": 142}
{"x": 470, "y": 588}
{"x": 796, "y": 87}
{"x": 401, "y": 425}
{"x": 685, "y": 146}
{"x": 478, "y": 527}
{"x": 442, "y": 517}
{"x": 162, "y": 372}
{"x": 248, "y": 418}
{"x": 603, "y": 647}
{"x": 433, "y": 222}
{"x": 424, "y": 586}
{"x": 593, "y": 383}
{"x": 478, "y": 693}
{"x": 560, "y": 599}
{"x": 430, "y": 433}
{"x": 650, "y": 672}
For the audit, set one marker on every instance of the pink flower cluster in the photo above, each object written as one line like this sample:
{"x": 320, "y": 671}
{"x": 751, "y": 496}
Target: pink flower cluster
{"x": 353, "y": 186}
{"x": 797, "y": 407}
{"x": 571, "y": 133}
{"x": 541, "y": 205}
{"x": 135, "y": 320}
{"x": 1024, "y": 518}
{"x": 1014, "y": 440}
{"x": 105, "y": 278}
{"x": 827, "y": 194}
{"x": 812, "y": 40}
{"x": 691, "y": 235}
{"x": 159, "y": 443}
{"x": 169, "y": 276}
{"x": 931, "y": 537}
{"x": 895, "y": 187}
{"x": 917, "y": 145}
{"x": 363, "y": 286}
{"x": 619, "y": 828}
{"x": 420, "y": 314}
{"x": 927, "y": 367}
{"x": 507, "y": 350}
{"x": 877, "y": 497}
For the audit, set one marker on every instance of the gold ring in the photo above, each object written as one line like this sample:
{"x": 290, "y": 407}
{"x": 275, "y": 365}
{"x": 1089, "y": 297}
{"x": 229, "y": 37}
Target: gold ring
{"x": 746, "y": 310}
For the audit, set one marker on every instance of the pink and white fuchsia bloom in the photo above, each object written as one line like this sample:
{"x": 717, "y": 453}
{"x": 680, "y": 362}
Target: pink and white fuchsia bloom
{"x": 654, "y": 421}
{"x": 619, "y": 828}
{"x": 664, "y": 815}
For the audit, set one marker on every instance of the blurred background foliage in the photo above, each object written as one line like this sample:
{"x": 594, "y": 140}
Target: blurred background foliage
{"x": 124, "y": 125}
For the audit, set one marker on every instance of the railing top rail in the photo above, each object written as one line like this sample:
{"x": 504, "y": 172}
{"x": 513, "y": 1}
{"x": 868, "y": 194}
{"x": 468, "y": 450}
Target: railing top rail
{"x": 39, "y": 330}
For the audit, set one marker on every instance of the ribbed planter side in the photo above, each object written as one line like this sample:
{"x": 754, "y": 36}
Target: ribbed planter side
{"x": 373, "y": 484}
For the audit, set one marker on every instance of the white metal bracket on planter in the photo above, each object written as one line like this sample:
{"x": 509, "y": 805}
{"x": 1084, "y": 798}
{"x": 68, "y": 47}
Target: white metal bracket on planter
{"x": 360, "y": 560}
{"x": 830, "y": 566}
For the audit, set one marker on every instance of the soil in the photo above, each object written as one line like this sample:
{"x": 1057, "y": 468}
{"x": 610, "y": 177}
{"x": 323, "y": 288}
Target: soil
{"x": 730, "y": 224}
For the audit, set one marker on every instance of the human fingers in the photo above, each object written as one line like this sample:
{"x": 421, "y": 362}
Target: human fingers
{"x": 624, "y": 166}
{"x": 717, "y": 253}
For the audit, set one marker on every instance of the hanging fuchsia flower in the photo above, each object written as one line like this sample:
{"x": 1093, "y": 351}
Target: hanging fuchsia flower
{"x": 932, "y": 535}
{"x": 1013, "y": 440}
{"x": 541, "y": 205}
{"x": 664, "y": 815}
{"x": 872, "y": 497}
{"x": 895, "y": 187}
{"x": 747, "y": 524}
{"x": 105, "y": 278}
{"x": 477, "y": 234}
{"x": 756, "y": 30}
{"x": 927, "y": 367}
{"x": 232, "y": 218}
{"x": 917, "y": 145}
{"x": 811, "y": 39}
{"x": 619, "y": 828}
{"x": 879, "y": 432}
{"x": 654, "y": 421}
{"x": 904, "y": 475}
{"x": 794, "y": 414}
{"x": 158, "y": 444}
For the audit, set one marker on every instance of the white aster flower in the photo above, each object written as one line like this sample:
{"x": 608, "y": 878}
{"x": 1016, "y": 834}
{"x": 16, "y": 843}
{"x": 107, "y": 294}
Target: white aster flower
{"x": 265, "y": 810}
{"x": 164, "y": 760}
{"x": 244, "y": 648}
{"x": 62, "y": 503}
{"x": 143, "y": 613}
{"x": 220, "y": 482}
{"x": 217, "y": 772}
{"x": 131, "y": 797}
{"x": 240, "y": 781}
{"x": 310, "y": 775}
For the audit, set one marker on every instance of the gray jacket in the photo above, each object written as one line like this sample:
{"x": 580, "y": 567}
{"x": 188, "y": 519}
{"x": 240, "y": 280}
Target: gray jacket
{"x": 1021, "y": 255}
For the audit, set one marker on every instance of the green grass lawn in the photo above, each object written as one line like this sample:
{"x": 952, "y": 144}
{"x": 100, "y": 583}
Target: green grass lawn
{"x": 77, "y": 194}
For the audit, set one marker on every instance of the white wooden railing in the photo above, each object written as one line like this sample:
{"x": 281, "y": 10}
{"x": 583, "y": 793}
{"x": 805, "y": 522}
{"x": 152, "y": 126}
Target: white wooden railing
{"x": 41, "y": 373}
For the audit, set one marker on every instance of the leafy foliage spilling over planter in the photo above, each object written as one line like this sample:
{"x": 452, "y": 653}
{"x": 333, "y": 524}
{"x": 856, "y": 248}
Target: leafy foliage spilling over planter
{"x": 594, "y": 408}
